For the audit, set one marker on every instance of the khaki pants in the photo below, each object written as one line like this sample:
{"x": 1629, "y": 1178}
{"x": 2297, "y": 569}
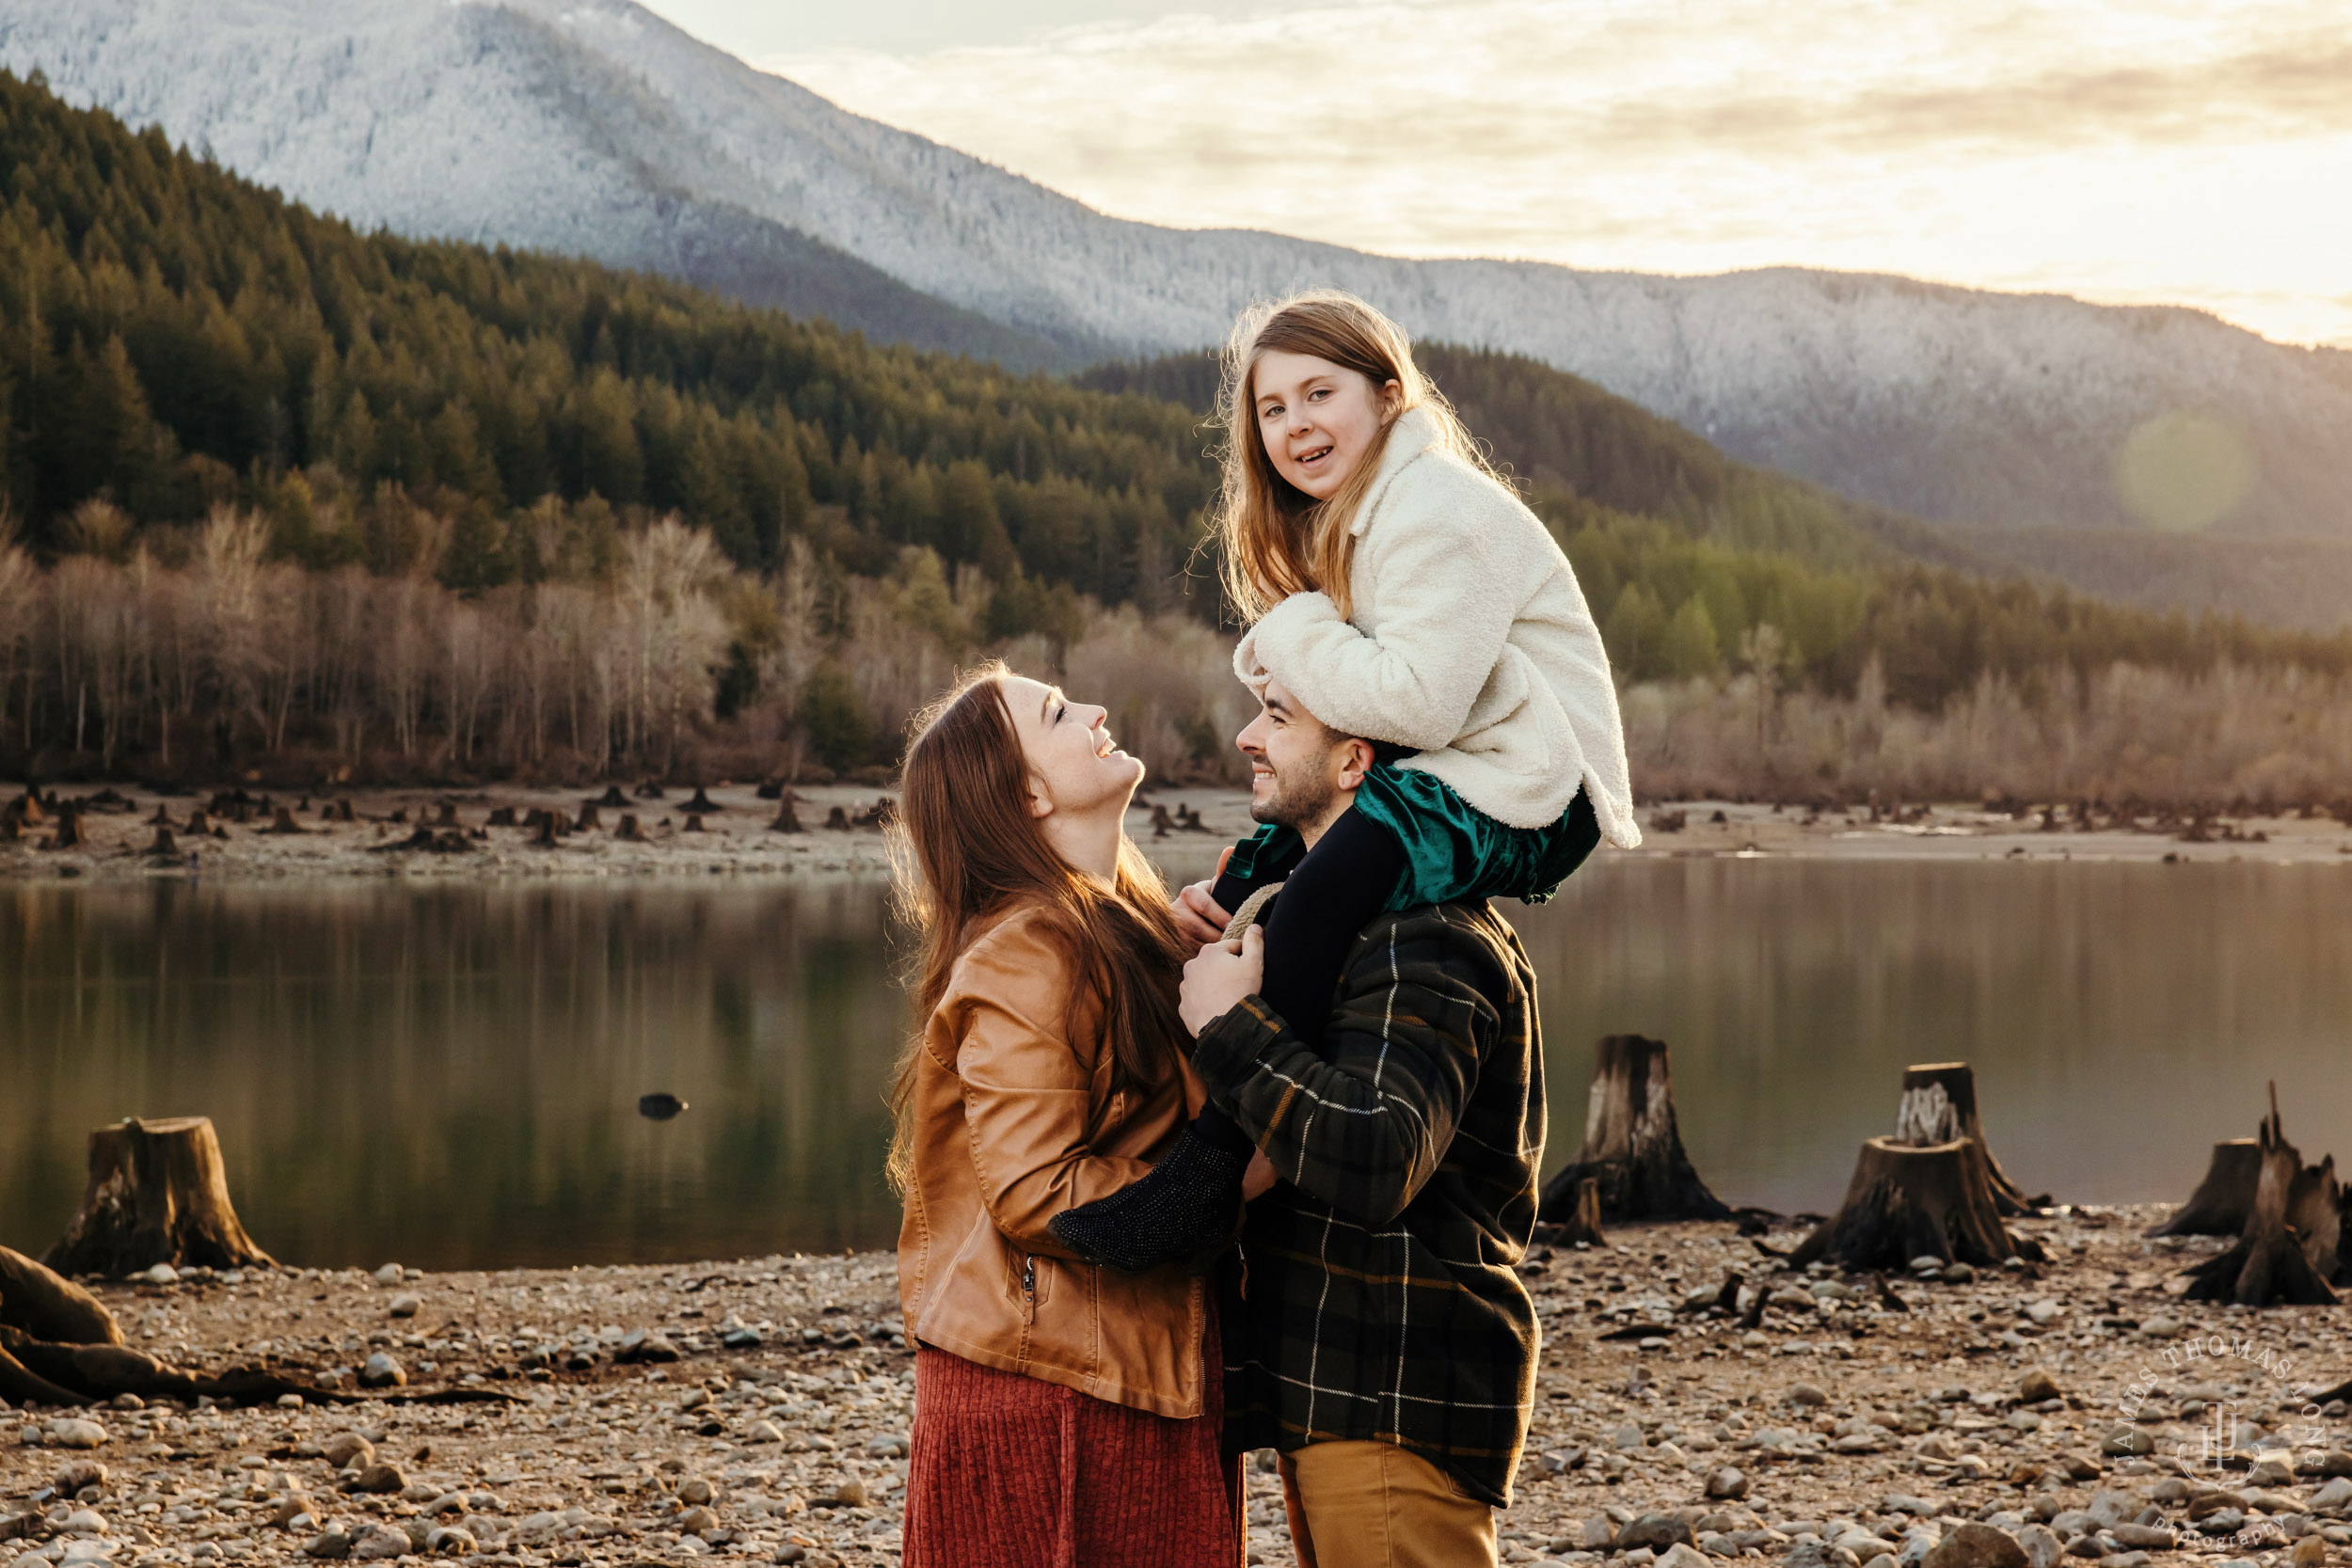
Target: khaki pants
{"x": 1374, "y": 1505}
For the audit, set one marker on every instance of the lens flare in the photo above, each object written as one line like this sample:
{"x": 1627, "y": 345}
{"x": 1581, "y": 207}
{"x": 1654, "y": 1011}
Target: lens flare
{"x": 2184, "y": 470}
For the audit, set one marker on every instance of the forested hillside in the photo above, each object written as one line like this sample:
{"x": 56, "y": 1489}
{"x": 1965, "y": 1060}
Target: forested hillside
{"x": 317, "y": 495}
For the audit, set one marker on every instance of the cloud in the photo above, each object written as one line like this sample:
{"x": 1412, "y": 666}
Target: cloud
{"x": 2118, "y": 148}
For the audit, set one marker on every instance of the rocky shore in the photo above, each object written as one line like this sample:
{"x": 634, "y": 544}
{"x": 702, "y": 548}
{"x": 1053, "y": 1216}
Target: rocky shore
{"x": 759, "y": 1411}
{"x": 735, "y": 829}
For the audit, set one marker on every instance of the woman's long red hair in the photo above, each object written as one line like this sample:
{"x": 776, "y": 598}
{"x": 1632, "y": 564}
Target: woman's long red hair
{"x": 977, "y": 850}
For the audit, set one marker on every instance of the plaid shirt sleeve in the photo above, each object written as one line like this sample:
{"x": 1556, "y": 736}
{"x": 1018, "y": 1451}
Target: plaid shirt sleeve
{"x": 1363, "y": 1124}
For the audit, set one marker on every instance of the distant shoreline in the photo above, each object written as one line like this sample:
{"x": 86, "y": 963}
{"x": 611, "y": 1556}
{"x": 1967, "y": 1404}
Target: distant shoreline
{"x": 738, "y": 839}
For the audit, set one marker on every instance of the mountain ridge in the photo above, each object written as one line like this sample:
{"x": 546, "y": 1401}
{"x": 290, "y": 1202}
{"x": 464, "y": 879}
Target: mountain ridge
{"x": 585, "y": 125}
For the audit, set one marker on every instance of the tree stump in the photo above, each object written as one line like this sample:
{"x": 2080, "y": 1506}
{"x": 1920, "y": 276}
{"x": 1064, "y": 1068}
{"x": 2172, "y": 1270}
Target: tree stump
{"x": 2288, "y": 1252}
{"x": 1633, "y": 1146}
{"x": 837, "y": 819}
{"x": 702, "y": 804}
{"x": 628, "y": 831}
{"x": 448, "y": 817}
{"x": 157, "y": 1194}
{"x": 545, "y": 837}
{"x": 48, "y": 1307}
{"x": 611, "y": 797}
{"x": 282, "y": 822}
{"x": 503, "y": 817}
{"x": 164, "y": 844}
{"x": 693, "y": 823}
{"x": 69, "y": 833}
{"x": 788, "y": 821}
{"x": 163, "y": 816}
{"x": 199, "y": 824}
{"x": 2224, "y": 1200}
{"x": 1580, "y": 1220}
{"x": 1906, "y": 1201}
{"x": 1939, "y": 1104}
{"x": 588, "y": 818}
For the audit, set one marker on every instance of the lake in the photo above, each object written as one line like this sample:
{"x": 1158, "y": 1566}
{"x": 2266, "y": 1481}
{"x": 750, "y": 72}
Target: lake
{"x": 448, "y": 1076}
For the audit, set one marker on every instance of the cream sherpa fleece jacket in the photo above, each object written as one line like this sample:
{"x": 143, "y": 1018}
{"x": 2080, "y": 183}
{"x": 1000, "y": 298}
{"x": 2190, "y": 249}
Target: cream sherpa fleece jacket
{"x": 1471, "y": 641}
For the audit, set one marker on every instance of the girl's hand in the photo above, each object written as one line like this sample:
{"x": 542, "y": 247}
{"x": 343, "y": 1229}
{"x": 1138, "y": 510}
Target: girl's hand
{"x": 1219, "y": 975}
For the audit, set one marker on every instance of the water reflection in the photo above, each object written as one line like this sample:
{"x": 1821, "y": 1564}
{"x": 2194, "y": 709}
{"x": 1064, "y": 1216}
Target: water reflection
{"x": 450, "y": 1075}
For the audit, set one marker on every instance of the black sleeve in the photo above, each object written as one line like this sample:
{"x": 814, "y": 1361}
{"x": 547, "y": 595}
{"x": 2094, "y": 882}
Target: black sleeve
{"x": 1332, "y": 895}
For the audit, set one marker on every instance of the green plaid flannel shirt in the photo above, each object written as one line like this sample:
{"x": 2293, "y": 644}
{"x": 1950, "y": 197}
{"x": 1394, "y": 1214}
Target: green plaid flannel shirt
{"x": 1378, "y": 1297}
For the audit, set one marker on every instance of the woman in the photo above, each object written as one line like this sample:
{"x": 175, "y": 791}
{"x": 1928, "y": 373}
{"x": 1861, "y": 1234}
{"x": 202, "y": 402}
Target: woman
{"x": 1065, "y": 1414}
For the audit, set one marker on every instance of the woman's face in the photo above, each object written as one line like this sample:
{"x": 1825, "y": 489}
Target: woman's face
{"x": 1073, "y": 768}
{"x": 1316, "y": 418}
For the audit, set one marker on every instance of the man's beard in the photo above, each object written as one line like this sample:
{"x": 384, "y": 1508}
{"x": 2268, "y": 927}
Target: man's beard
{"x": 1296, "y": 802}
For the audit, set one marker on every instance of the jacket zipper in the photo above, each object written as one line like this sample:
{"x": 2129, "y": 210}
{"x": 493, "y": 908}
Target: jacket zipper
{"x": 1029, "y": 1285}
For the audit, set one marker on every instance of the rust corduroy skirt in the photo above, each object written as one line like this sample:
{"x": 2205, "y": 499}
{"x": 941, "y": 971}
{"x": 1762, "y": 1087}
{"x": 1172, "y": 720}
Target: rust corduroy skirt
{"x": 1011, "y": 1472}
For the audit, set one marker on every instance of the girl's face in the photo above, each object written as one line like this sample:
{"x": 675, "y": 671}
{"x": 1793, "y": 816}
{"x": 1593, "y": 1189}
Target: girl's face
{"x": 1317, "y": 418}
{"x": 1073, "y": 765}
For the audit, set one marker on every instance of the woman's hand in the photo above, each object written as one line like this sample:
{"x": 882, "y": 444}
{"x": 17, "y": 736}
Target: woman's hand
{"x": 1219, "y": 975}
{"x": 1197, "y": 912}
{"x": 1198, "y": 915}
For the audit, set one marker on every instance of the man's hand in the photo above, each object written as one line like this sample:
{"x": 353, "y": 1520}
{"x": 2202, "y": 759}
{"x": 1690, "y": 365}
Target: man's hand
{"x": 1259, "y": 1176}
{"x": 1198, "y": 915}
{"x": 1218, "y": 976}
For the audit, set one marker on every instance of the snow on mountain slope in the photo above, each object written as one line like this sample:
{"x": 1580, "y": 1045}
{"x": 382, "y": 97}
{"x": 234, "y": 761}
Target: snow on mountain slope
{"x": 592, "y": 126}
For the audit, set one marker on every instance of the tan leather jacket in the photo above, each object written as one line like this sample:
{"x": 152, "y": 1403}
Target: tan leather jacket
{"x": 1015, "y": 1121}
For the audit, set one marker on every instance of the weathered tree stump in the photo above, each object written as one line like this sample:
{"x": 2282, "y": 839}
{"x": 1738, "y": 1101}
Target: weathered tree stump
{"x": 340, "y": 812}
{"x": 1633, "y": 1146}
{"x": 2225, "y": 1198}
{"x": 788, "y": 821}
{"x": 1580, "y": 1219}
{"x": 588, "y": 818}
{"x": 1161, "y": 826}
{"x": 693, "y": 824}
{"x": 199, "y": 824}
{"x": 157, "y": 1194}
{"x": 1939, "y": 1104}
{"x": 163, "y": 816}
{"x": 69, "y": 833}
{"x": 1906, "y": 1201}
{"x": 545, "y": 837}
{"x": 628, "y": 832}
{"x": 837, "y": 819}
{"x": 2288, "y": 1252}
{"x": 503, "y": 817}
{"x": 164, "y": 844}
{"x": 448, "y": 817}
{"x": 611, "y": 797}
{"x": 702, "y": 804}
{"x": 47, "y": 1306}
{"x": 282, "y": 821}
{"x": 650, "y": 790}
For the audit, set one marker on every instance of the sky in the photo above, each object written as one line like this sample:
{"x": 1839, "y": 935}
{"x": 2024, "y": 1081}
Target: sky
{"x": 2178, "y": 151}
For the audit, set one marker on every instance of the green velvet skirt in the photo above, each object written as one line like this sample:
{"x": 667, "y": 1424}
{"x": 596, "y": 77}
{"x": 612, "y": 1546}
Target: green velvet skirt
{"x": 1451, "y": 850}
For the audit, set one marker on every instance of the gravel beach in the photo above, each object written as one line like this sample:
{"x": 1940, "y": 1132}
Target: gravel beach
{"x": 2073, "y": 1407}
{"x": 489, "y": 833}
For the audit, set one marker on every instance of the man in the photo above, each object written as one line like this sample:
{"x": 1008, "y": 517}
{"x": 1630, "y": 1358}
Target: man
{"x": 1381, "y": 1341}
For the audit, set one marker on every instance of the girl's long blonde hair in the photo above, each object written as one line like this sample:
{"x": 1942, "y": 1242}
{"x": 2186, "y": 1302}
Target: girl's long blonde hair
{"x": 1275, "y": 539}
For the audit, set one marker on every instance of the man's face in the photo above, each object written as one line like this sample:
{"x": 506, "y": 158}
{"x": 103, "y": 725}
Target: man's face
{"x": 1298, "y": 768}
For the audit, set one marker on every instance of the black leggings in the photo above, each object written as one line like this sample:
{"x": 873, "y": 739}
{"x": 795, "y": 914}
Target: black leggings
{"x": 1327, "y": 899}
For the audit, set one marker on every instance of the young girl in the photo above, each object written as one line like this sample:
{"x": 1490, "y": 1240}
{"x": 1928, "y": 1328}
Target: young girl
{"x": 1406, "y": 597}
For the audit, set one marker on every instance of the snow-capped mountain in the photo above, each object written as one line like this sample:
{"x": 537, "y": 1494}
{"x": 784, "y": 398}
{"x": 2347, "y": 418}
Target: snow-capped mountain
{"x": 594, "y": 127}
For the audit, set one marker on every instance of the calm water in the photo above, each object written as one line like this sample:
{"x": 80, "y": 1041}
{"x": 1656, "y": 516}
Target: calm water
{"x": 448, "y": 1076}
